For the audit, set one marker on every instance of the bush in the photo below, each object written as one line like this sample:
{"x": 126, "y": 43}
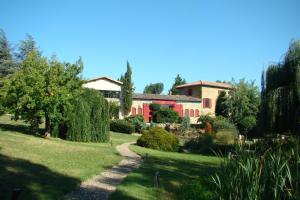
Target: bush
{"x": 121, "y": 126}
{"x": 226, "y": 137}
{"x": 154, "y": 107}
{"x": 247, "y": 124}
{"x": 204, "y": 119}
{"x": 222, "y": 123}
{"x": 114, "y": 109}
{"x": 202, "y": 144}
{"x": 160, "y": 139}
{"x": 86, "y": 119}
{"x": 138, "y": 122}
{"x": 185, "y": 123}
{"x": 166, "y": 115}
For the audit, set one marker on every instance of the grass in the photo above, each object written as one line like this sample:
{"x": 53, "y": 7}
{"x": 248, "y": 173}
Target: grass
{"x": 175, "y": 169}
{"x": 48, "y": 168}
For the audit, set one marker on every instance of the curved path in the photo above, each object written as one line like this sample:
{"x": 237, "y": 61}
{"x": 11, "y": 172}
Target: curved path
{"x": 101, "y": 186}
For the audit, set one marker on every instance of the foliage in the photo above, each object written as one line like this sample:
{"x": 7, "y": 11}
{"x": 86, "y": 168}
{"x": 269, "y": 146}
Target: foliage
{"x": 221, "y": 105}
{"x": 208, "y": 128}
{"x": 7, "y": 64}
{"x": 41, "y": 89}
{"x": 154, "y": 88}
{"x": 114, "y": 109}
{"x": 226, "y": 137}
{"x": 222, "y": 123}
{"x": 121, "y": 126}
{"x": 185, "y": 123}
{"x": 178, "y": 81}
{"x": 87, "y": 118}
{"x": 127, "y": 90}
{"x": 247, "y": 125}
{"x": 270, "y": 171}
{"x": 243, "y": 101}
{"x": 204, "y": 119}
{"x": 138, "y": 122}
{"x": 166, "y": 115}
{"x": 154, "y": 107}
{"x": 202, "y": 144}
{"x": 280, "y": 94}
{"x": 160, "y": 139}
{"x": 26, "y": 46}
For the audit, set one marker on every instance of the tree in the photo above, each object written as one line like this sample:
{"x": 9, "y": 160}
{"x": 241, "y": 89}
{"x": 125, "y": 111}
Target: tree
{"x": 280, "y": 111}
{"x": 26, "y": 46}
{"x": 243, "y": 101}
{"x": 178, "y": 81}
{"x": 7, "y": 65}
{"x": 154, "y": 88}
{"x": 221, "y": 105}
{"x": 42, "y": 89}
{"x": 127, "y": 90}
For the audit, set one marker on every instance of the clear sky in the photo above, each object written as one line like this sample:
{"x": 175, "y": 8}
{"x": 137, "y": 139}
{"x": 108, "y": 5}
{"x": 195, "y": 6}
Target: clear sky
{"x": 207, "y": 40}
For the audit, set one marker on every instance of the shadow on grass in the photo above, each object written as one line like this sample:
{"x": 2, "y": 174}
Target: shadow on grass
{"x": 174, "y": 173}
{"x": 35, "y": 181}
{"x": 25, "y": 129}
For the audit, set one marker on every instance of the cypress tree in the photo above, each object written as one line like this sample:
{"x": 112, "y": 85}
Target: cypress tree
{"x": 127, "y": 90}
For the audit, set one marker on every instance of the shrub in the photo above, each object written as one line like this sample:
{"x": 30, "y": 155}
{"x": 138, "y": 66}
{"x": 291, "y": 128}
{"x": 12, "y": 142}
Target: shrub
{"x": 204, "y": 119}
{"x": 185, "y": 123}
{"x": 247, "y": 124}
{"x": 222, "y": 123}
{"x": 201, "y": 144}
{"x": 160, "y": 139}
{"x": 208, "y": 128}
{"x": 138, "y": 122}
{"x": 86, "y": 119}
{"x": 114, "y": 109}
{"x": 166, "y": 115}
{"x": 154, "y": 107}
{"x": 121, "y": 126}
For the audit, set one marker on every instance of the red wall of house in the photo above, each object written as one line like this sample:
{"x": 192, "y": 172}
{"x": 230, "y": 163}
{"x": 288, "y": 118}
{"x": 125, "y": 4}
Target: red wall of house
{"x": 146, "y": 110}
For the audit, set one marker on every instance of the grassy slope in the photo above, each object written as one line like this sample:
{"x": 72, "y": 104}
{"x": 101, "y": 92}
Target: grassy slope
{"x": 48, "y": 168}
{"x": 176, "y": 169}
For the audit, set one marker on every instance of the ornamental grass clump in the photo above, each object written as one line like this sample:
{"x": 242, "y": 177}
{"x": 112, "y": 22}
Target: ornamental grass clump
{"x": 269, "y": 171}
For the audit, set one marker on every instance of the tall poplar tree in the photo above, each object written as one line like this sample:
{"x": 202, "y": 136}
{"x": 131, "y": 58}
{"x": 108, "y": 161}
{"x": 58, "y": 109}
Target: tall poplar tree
{"x": 127, "y": 90}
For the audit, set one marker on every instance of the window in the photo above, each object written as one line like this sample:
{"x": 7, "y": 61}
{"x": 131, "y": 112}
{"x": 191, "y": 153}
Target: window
{"x": 191, "y": 113}
{"x": 196, "y": 113}
{"x": 206, "y": 103}
{"x": 110, "y": 94}
{"x": 190, "y": 92}
{"x": 133, "y": 111}
{"x": 140, "y": 111}
{"x": 186, "y": 112}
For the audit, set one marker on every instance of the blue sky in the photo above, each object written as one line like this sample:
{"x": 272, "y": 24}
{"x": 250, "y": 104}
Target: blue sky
{"x": 207, "y": 40}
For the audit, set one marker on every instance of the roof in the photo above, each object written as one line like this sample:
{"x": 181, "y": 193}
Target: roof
{"x": 206, "y": 83}
{"x": 165, "y": 97}
{"x": 104, "y": 77}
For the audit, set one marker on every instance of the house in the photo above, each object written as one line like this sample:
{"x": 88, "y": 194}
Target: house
{"x": 195, "y": 98}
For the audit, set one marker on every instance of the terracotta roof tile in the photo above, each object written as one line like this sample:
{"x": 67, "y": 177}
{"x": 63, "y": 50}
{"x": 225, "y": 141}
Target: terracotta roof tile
{"x": 105, "y": 77}
{"x": 206, "y": 83}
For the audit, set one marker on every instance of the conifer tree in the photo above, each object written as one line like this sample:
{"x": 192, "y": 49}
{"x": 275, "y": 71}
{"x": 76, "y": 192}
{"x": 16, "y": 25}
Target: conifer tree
{"x": 127, "y": 90}
{"x": 178, "y": 81}
{"x": 7, "y": 65}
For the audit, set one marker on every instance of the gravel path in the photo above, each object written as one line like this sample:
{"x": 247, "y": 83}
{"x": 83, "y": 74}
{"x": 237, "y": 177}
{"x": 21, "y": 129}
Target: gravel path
{"x": 101, "y": 186}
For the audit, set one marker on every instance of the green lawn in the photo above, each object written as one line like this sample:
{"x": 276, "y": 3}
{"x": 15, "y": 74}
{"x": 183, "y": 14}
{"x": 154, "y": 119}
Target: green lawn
{"x": 176, "y": 170}
{"x": 48, "y": 168}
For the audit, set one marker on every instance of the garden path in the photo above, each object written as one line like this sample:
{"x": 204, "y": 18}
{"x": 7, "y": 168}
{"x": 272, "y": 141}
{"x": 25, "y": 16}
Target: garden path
{"x": 101, "y": 186}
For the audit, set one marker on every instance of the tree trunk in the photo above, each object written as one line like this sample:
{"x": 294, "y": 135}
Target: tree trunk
{"x": 47, "y": 125}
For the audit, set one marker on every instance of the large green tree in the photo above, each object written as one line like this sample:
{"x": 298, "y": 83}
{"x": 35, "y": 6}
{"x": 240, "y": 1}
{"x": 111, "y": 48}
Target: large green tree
{"x": 7, "y": 64}
{"x": 127, "y": 90}
{"x": 41, "y": 89}
{"x": 221, "y": 105}
{"x": 280, "y": 112}
{"x": 178, "y": 81}
{"x": 243, "y": 101}
{"x": 154, "y": 88}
